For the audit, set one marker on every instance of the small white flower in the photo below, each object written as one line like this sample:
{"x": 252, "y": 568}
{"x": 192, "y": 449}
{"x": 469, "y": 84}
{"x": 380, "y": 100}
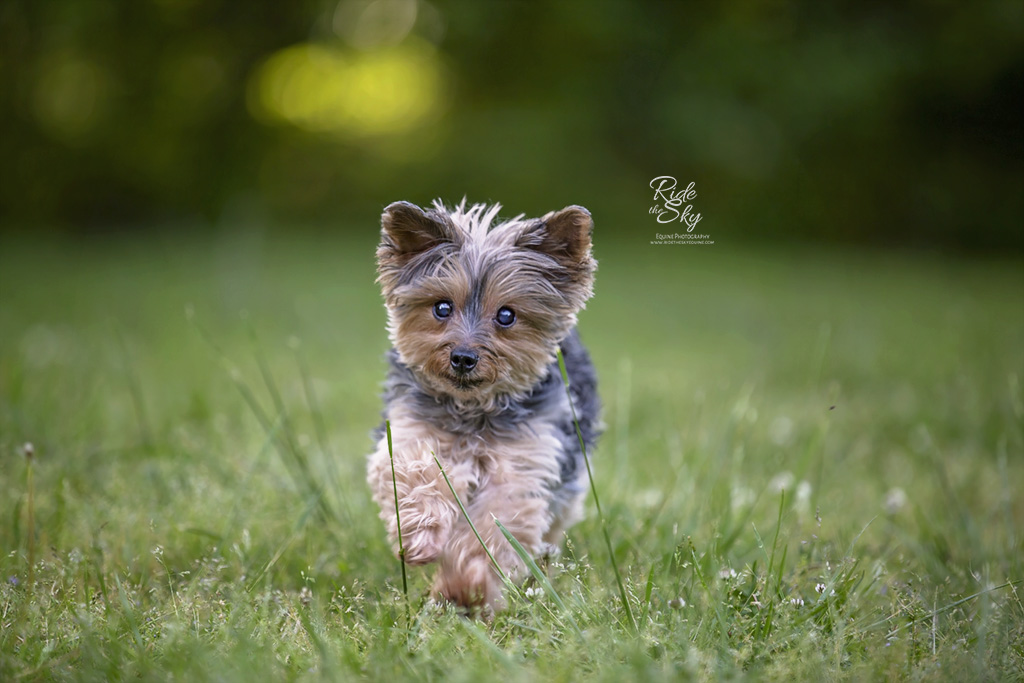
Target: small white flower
{"x": 895, "y": 500}
{"x": 305, "y": 596}
{"x": 780, "y": 431}
{"x": 742, "y": 497}
{"x": 797, "y": 602}
{"x": 803, "y": 496}
{"x": 649, "y": 498}
{"x": 677, "y": 603}
{"x": 921, "y": 439}
{"x": 158, "y": 551}
{"x": 739, "y": 410}
{"x": 533, "y": 592}
{"x": 819, "y": 588}
{"x": 783, "y": 481}
{"x": 727, "y": 573}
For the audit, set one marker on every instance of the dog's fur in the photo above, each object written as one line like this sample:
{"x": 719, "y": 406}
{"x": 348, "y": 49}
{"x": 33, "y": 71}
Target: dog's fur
{"x": 496, "y": 417}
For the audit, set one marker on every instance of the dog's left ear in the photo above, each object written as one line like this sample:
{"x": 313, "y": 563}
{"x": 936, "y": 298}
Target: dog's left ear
{"x": 407, "y": 230}
{"x": 564, "y": 236}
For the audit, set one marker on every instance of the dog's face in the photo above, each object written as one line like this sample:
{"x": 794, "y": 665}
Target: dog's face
{"x": 477, "y": 311}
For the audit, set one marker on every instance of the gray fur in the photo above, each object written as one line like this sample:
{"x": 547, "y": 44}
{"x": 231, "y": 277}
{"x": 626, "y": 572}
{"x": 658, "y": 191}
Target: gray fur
{"x": 546, "y": 402}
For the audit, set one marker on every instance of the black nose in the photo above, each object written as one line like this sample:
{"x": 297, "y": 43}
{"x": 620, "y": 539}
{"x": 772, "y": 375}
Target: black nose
{"x": 463, "y": 360}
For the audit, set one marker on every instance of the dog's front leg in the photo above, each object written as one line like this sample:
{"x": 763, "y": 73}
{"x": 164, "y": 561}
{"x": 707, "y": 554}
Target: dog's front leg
{"x": 516, "y": 493}
{"x": 425, "y": 504}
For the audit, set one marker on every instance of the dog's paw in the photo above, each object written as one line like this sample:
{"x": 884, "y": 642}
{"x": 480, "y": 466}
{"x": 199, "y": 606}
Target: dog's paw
{"x": 472, "y": 584}
{"x": 424, "y": 545}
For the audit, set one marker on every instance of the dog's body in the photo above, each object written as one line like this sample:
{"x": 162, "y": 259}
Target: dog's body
{"x": 476, "y": 313}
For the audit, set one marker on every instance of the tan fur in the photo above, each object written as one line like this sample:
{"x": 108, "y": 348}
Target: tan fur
{"x": 500, "y": 479}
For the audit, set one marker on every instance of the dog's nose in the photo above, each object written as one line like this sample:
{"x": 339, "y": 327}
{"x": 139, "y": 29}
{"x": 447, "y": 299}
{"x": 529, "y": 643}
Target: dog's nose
{"x": 463, "y": 360}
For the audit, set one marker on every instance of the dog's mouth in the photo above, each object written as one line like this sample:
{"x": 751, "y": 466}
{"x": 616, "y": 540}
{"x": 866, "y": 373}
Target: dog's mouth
{"x": 464, "y": 383}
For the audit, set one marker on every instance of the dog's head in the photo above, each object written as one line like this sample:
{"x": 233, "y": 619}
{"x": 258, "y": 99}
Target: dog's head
{"x": 477, "y": 310}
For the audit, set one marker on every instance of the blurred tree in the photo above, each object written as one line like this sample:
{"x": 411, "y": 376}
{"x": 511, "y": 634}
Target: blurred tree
{"x": 859, "y": 122}
{"x": 130, "y": 112}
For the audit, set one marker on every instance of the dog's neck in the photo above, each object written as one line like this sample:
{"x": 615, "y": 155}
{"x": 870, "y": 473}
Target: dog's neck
{"x": 499, "y": 414}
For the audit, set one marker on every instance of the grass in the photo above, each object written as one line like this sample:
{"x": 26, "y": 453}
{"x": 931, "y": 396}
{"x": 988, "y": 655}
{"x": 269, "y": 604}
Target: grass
{"x": 811, "y": 471}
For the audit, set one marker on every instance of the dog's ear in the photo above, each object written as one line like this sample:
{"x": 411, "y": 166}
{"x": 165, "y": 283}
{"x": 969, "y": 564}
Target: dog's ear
{"x": 407, "y": 230}
{"x": 564, "y": 236}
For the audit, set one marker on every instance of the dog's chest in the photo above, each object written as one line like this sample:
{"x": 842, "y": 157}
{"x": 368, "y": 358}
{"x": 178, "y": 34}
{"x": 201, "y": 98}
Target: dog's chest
{"x": 526, "y": 453}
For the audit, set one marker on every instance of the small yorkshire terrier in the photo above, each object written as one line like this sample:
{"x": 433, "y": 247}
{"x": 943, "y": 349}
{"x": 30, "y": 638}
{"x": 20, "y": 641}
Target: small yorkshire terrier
{"x": 476, "y": 313}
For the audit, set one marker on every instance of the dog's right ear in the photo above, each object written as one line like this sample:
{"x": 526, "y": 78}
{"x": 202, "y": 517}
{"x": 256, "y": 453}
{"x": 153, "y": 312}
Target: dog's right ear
{"x": 407, "y": 230}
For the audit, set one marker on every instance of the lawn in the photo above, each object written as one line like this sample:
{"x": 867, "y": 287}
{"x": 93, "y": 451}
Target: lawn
{"x": 811, "y": 471}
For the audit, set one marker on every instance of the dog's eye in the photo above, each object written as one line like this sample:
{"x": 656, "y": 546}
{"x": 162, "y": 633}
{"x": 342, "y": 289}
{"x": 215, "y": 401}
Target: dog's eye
{"x": 443, "y": 309}
{"x": 506, "y": 316}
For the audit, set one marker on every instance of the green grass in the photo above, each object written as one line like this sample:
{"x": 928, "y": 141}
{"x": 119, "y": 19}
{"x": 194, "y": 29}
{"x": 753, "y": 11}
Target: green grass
{"x": 812, "y": 471}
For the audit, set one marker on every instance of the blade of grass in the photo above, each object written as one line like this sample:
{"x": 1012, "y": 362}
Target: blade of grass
{"x": 597, "y": 501}
{"x": 235, "y": 517}
{"x": 275, "y": 398}
{"x": 299, "y": 457}
{"x": 135, "y": 389}
{"x": 294, "y": 464}
{"x": 301, "y": 479}
{"x": 772, "y": 593}
{"x": 320, "y": 428}
{"x": 472, "y": 526}
{"x": 723, "y": 628}
{"x": 129, "y": 614}
{"x": 509, "y": 584}
{"x": 775, "y": 539}
{"x": 648, "y": 591}
{"x": 327, "y": 666}
{"x": 488, "y": 644}
{"x": 944, "y": 608}
{"x": 531, "y": 564}
{"x": 98, "y": 561}
{"x": 398, "y": 519}
{"x": 310, "y": 507}
{"x": 30, "y": 523}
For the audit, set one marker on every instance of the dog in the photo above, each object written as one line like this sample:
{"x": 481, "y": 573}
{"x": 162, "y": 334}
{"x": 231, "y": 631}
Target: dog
{"x": 477, "y": 310}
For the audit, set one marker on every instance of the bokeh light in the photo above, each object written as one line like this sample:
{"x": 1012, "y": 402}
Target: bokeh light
{"x": 368, "y": 24}
{"x": 70, "y": 96}
{"x": 897, "y": 125}
{"x": 356, "y": 94}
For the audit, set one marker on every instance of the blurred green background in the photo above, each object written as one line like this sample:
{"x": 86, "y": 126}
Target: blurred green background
{"x": 855, "y": 122}
{"x": 190, "y": 193}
